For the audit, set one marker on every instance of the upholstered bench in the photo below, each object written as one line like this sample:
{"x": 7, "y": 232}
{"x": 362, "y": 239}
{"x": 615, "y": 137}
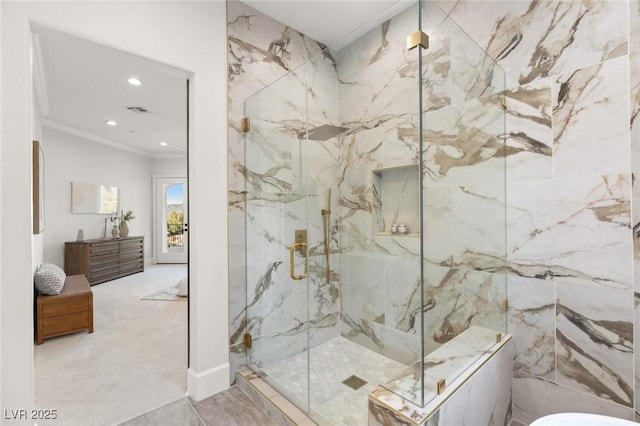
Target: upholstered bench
{"x": 67, "y": 312}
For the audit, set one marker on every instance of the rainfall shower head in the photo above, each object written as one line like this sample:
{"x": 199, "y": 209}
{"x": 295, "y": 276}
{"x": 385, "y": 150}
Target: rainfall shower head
{"x": 322, "y": 133}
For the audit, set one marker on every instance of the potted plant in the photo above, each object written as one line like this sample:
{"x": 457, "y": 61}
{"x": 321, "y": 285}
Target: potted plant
{"x": 124, "y": 218}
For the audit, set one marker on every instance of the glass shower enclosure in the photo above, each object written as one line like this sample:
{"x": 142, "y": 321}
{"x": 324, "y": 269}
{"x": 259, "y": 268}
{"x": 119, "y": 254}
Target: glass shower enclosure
{"x": 375, "y": 218}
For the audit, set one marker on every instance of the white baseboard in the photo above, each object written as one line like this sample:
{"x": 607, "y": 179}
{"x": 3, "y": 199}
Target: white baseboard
{"x": 209, "y": 382}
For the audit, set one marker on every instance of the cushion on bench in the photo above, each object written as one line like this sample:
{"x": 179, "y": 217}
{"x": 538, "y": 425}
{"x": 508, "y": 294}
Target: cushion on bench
{"x": 49, "y": 278}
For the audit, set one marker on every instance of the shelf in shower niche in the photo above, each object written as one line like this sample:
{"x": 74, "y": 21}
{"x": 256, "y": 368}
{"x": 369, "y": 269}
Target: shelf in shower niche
{"x": 395, "y": 199}
{"x": 389, "y": 234}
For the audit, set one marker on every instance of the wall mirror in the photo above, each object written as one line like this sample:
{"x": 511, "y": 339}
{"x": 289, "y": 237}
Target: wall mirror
{"x": 90, "y": 198}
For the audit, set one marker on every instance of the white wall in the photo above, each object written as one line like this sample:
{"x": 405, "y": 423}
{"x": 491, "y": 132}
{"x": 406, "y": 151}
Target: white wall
{"x": 186, "y": 35}
{"x": 1, "y": 184}
{"x": 170, "y": 166}
{"x": 70, "y": 158}
{"x": 37, "y": 256}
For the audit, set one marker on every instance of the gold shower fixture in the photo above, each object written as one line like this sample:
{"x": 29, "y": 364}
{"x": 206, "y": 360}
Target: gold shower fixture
{"x": 419, "y": 38}
{"x": 245, "y": 124}
{"x": 326, "y": 234}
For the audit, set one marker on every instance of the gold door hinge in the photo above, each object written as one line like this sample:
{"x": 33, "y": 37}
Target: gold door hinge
{"x": 248, "y": 340}
{"x": 498, "y": 337}
{"x": 419, "y": 38}
{"x": 245, "y": 123}
{"x": 503, "y": 102}
{"x": 440, "y": 386}
{"x": 505, "y": 304}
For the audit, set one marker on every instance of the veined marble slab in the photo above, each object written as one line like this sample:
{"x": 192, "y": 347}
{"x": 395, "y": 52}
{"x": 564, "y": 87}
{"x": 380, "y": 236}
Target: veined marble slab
{"x": 551, "y": 398}
{"x": 634, "y": 26}
{"x": 532, "y": 39}
{"x": 464, "y": 143}
{"x": 464, "y": 225}
{"x": 596, "y": 94}
{"x": 532, "y": 317}
{"x": 447, "y": 362}
{"x": 528, "y": 128}
{"x": 634, "y": 73}
{"x": 593, "y": 211}
{"x": 595, "y": 340}
{"x": 456, "y": 299}
{"x": 481, "y": 395}
{"x": 394, "y": 344}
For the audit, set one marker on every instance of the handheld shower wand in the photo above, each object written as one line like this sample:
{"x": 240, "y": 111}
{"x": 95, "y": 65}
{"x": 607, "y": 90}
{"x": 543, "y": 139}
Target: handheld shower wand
{"x": 327, "y": 211}
{"x": 326, "y": 227}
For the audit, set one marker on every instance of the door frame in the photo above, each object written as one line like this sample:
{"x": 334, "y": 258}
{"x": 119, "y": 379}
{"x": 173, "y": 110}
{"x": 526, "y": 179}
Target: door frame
{"x": 157, "y": 214}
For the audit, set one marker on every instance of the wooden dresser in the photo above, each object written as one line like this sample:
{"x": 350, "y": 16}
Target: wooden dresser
{"x": 104, "y": 259}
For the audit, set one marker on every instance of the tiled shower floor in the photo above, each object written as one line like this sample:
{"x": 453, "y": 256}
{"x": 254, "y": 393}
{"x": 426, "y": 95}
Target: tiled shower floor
{"x": 331, "y": 363}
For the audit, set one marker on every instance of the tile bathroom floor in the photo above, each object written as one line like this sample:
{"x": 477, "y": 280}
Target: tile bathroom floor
{"x": 333, "y": 402}
{"x": 229, "y": 408}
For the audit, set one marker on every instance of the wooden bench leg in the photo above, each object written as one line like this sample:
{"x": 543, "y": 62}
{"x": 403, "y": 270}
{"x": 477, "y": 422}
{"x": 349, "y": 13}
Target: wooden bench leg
{"x": 91, "y": 312}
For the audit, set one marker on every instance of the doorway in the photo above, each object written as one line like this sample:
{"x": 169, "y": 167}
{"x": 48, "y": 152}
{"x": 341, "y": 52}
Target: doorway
{"x": 171, "y": 231}
{"x": 148, "y": 137}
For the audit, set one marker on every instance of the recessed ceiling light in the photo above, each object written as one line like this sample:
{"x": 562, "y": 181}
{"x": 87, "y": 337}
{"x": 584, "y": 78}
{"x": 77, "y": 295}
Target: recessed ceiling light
{"x": 163, "y": 143}
{"x": 134, "y": 81}
{"x": 112, "y": 123}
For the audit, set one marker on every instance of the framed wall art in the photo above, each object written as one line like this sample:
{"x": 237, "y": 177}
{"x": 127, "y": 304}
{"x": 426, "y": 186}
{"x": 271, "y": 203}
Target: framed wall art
{"x": 38, "y": 188}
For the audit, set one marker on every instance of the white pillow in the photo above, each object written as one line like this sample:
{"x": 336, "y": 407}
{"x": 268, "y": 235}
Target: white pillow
{"x": 182, "y": 287}
{"x": 49, "y": 278}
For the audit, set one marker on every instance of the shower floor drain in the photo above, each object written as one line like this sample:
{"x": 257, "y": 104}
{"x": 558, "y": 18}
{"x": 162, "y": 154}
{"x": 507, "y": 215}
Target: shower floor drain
{"x": 354, "y": 382}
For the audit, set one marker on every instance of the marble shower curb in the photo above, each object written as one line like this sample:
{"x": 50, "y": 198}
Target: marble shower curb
{"x": 279, "y": 409}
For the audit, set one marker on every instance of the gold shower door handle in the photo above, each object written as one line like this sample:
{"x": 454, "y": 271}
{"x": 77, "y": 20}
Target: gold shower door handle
{"x": 292, "y": 250}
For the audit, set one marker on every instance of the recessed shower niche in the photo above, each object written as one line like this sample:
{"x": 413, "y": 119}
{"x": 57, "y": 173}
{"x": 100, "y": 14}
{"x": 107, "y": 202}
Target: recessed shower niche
{"x": 396, "y": 201}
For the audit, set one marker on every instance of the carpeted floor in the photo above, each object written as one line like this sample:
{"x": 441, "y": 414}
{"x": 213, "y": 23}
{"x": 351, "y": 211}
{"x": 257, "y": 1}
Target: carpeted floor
{"x": 133, "y": 363}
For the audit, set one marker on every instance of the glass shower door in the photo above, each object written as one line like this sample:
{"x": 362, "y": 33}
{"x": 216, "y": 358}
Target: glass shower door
{"x": 276, "y": 245}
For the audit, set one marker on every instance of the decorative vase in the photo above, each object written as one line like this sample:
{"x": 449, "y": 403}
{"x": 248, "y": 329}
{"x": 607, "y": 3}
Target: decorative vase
{"x": 114, "y": 231}
{"x": 124, "y": 229}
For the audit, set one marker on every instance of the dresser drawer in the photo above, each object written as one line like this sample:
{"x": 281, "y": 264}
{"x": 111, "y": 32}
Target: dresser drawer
{"x": 98, "y": 249}
{"x": 64, "y": 324}
{"x": 126, "y": 256}
{"x": 104, "y": 260}
{"x": 103, "y": 275}
{"x": 131, "y": 267}
{"x": 63, "y": 306}
{"x": 131, "y": 244}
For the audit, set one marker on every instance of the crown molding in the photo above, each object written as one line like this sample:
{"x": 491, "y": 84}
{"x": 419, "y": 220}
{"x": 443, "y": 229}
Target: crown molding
{"x": 81, "y": 133}
{"x": 99, "y": 139}
{"x": 160, "y": 156}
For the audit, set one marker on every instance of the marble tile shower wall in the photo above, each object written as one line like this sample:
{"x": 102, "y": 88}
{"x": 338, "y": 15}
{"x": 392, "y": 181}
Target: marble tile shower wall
{"x": 464, "y": 179}
{"x": 573, "y": 100}
{"x": 573, "y": 94}
{"x": 268, "y": 57}
{"x": 378, "y": 102}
